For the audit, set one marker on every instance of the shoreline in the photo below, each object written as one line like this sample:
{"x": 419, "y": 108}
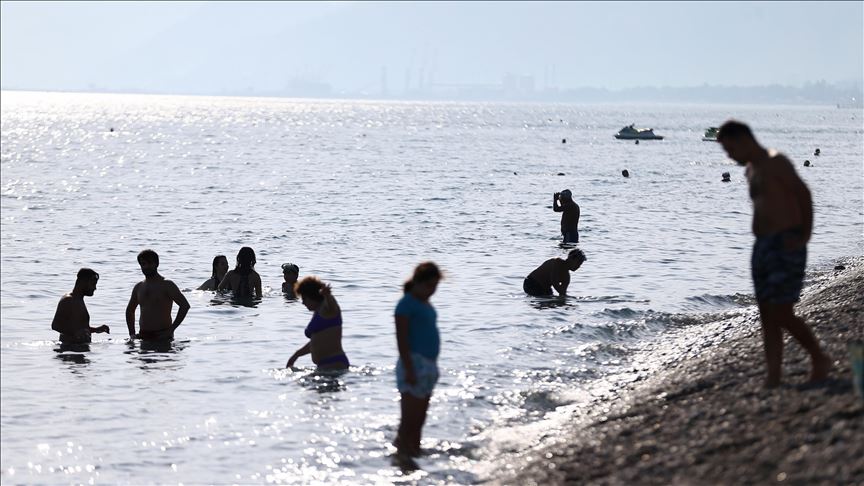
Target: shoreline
{"x": 707, "y": 419}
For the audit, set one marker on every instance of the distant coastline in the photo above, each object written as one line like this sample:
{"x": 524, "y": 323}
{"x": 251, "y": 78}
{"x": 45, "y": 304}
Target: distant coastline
{"x": 841, "y": 95}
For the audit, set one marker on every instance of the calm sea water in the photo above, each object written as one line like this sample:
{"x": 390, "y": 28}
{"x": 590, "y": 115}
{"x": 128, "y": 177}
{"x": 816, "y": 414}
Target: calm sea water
{"x": 358, "y": 193}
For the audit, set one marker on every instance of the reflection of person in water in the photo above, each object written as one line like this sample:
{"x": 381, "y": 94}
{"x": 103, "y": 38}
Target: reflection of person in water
{"x": 156, "y": 296}
{"x": 244, "y": 282}
{"x": 71, "y": 319}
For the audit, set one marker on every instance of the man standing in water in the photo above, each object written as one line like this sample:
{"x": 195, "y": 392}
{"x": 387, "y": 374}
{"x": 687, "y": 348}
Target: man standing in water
{"x": 72, "y": 320}
{"x": 562, "y": 202}
{"x": 782, "y": 223}
{"x": 156, "y": 296}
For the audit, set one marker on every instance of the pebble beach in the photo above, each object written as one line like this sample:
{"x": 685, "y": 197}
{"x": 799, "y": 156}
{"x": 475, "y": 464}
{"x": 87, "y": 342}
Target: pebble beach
{"x": 709, "y": 420}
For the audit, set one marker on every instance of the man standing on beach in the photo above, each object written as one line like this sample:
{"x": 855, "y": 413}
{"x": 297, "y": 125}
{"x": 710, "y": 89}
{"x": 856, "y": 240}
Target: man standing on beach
{"x": 782, "y": 223}
{"x": 156, "y": 296}
{"x": 72, "y": 320}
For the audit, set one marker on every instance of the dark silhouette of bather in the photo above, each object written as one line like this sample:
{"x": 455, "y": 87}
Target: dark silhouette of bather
{"x": 244, "y": 282}
{"x": 71, "y": 319}
{"x": 156, "y": 296}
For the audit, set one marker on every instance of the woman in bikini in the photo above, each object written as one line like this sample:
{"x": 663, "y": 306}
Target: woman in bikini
{"x": 325, "y": 328}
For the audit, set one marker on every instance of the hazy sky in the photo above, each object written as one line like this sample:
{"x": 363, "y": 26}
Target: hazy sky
{"x": 203, "y": 47}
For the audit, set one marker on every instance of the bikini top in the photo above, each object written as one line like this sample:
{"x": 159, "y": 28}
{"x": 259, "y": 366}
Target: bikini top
{"x": 318, "y": 324}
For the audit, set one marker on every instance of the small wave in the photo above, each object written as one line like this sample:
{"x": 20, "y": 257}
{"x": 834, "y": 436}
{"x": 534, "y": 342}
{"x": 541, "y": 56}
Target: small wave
{"x": 722, "y": 301}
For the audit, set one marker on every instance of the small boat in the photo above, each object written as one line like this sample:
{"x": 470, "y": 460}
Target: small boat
{"x": 631, "y": 133}
{"x": 710, "y": 134}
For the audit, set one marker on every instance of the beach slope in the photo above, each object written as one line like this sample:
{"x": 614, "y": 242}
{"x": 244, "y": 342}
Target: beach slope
{"x": 708, "y": 419}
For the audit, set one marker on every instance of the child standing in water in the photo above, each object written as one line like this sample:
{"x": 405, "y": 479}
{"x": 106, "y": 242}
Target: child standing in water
{"x": 419, "y": 343}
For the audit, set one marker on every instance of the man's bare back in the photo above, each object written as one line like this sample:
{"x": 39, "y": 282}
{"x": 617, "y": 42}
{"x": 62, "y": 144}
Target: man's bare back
{"x": 781, "y": 200}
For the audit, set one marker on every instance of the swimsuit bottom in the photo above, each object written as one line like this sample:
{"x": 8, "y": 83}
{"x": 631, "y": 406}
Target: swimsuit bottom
{"x": 77, "y": 338}
{"x": 161, "y": 335}
{"x": 535, "y": 288}
{"x": 426, "y": 371}
{"x": 339, "y": 358}
{"x": 778, "y": 273}
{"x": 571, "y": 236}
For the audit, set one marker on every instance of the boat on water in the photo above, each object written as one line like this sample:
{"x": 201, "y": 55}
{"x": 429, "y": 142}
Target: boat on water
{"x": 631, "y": 133}
{"x": 710, "y": 134}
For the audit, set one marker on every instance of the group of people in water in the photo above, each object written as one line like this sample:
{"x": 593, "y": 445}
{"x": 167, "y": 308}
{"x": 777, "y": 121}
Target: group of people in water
{"x": 782, "y": 223}
{"x": 417, "y": 337}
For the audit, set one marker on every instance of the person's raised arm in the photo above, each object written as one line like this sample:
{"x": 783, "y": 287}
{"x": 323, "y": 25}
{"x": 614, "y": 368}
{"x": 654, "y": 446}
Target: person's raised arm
{"x": 182, "y": 304}
{"x": 556, "y": 199}
{"x": 402, "y": 323}
{"x": 130, "y": 311}
{"x": 306, "y": 349}
{"x": 330, "y": 308}
{"x": 103, "y": 328}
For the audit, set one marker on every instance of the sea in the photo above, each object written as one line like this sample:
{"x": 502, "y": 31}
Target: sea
{"x": 358, "y": 193}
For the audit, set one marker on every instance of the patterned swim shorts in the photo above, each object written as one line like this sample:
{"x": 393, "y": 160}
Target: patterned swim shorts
{"x": 778, "y": 273}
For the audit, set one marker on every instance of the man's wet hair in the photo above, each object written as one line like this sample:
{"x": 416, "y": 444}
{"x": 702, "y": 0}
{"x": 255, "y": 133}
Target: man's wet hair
{"x": 148, "y": 255}
{"x": 87, "y": 274}
{"x": 578, "y": 255}
{"x": 734, "y": 129}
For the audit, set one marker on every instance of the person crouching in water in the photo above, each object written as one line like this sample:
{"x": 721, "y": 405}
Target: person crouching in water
{"x": 324, "y": 330}
{"x": 554, "y": 272}
{"x": 419, "y": 343}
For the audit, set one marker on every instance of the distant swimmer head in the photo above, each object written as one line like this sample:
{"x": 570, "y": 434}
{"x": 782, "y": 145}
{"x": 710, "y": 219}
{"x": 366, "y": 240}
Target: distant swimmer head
{"x": 563, "y": 140}
{"x": 817, "y": 152}
{"x": 726, "y": 177}
{"x": 806, "y": 163}
{"x": 625, "y": 173}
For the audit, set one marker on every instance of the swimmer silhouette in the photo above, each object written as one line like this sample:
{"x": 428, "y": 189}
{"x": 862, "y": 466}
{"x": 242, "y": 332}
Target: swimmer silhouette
{"x": 625, "y": 173}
